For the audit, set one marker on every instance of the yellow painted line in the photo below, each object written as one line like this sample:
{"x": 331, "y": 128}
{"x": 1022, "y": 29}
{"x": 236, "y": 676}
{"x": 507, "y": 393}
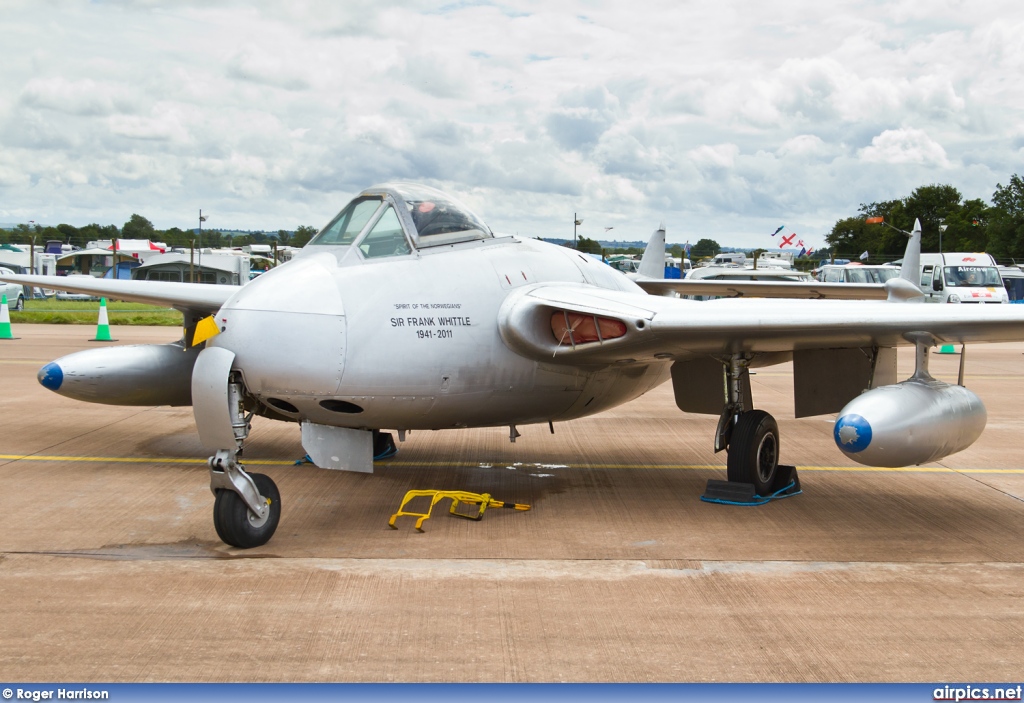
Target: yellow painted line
{"x": 911, "y": 469}
{"x": 131, "y": 459}
{"x": 537, "y": 466}
{"x": 949, "y": 376}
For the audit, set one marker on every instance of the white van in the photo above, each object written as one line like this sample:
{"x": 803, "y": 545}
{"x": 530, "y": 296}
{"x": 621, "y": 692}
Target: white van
{"x": 733, "y": 257}
{"x": 961, "y": 278}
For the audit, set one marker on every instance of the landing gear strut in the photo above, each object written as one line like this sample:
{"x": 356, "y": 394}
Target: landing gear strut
{"x": 247, "y": 507}
{"x": 752, "y": 439}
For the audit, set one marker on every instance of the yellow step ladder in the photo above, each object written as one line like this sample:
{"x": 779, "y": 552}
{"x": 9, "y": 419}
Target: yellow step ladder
{"x": 481, "y": 500}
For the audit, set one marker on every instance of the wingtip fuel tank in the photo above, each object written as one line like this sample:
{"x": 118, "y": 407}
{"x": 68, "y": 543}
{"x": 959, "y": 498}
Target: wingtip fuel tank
{"x": 909, "y": 423}
{"x": 148, "y": 374}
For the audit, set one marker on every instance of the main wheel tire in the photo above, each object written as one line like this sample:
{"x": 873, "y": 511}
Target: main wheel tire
{"x": 384, "y": 446}
{"x": 754, "y": 451}
{"x": 240, "y": 527}
{"x": 19, "y": 304}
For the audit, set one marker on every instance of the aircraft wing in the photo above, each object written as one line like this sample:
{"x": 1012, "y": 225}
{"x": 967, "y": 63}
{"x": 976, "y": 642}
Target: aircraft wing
{"x": 616, "y": 327}
{"x": 197, "y": 297}
{"x": 764, "y": 289}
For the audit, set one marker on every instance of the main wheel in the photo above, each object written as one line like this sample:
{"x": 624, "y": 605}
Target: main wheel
{"x": 754, "y": 451}
{"x": 384, "y": 446}
{"x": 240, "y": 527}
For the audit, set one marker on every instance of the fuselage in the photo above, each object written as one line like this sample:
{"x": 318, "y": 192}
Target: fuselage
{"x": 412, "y": 341}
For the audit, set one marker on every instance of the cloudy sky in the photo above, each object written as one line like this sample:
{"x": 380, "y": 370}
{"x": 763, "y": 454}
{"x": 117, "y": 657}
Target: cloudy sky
{"x": 723, "y": 119}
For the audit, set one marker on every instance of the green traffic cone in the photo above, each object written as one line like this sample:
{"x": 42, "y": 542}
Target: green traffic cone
{"x": 103, "y": 325}
{"x": 947, "y": 349}
{"x": 5, "y": 320}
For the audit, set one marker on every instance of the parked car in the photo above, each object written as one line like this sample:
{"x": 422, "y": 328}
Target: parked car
{"x": 857, "y": 273}
{"x": 14, "y": 292}
{"x": 64, "y": 295}
{"x": 1013, "y": 281}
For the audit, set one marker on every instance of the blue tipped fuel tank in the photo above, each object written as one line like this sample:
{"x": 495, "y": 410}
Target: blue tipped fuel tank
{"x": 910, "y": 423}
{"x": 147, "y": 374}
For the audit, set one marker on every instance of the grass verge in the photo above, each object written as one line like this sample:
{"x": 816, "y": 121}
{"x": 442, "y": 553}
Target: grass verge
{"x": 86, "y": 312}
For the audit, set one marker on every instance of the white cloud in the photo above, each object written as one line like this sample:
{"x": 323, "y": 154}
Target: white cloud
{"x": 718, "y": 156}
{"x": 166, "y": 124}
{"x": 803, "y": 145}
{"x": 717, "y": 117}
{"x": 905, "y": 146}
{"x": 83, "y": 97}
{"x": 260, "y": 66}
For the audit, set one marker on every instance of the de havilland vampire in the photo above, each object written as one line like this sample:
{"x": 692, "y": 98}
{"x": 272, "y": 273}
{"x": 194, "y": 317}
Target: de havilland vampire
{"x": 406, "y": 312}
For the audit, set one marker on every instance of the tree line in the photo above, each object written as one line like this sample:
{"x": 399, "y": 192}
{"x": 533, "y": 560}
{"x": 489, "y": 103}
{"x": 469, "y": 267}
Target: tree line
{"x": 946, "y": 218}
{"x": 962, "y": 225}
{"x": 704, "y": 247}
{"x": 138, "y": 227}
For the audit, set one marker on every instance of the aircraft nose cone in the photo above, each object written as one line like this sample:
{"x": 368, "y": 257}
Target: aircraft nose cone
{"x": 51, "y": 376}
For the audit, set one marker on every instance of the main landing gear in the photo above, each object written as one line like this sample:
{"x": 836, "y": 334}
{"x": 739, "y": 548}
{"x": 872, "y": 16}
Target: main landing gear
{"x": 752, "y": 439}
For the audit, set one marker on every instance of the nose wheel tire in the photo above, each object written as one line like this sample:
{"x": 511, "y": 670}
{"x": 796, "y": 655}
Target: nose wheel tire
{"x": 19, "y": 304}
{"x": 240, "y": 527}
{"x": 754, "y": 451}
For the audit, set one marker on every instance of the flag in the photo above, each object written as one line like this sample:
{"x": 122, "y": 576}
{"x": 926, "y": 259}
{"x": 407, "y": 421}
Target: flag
{"x": 810, "y": 251}
{"x": 875, "y": 220}
{"x": 803, "y": 252}
{"x": 800, "y": 242}
{"x": 864, "y": 256}
{"x": 781, "y": 227}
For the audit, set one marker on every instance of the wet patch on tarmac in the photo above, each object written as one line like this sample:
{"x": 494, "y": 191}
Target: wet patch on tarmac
{"x": 185, "y": 550}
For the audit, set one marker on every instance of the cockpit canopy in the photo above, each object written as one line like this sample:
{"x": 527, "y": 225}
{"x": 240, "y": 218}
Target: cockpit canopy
{"x": 385, "y": 219}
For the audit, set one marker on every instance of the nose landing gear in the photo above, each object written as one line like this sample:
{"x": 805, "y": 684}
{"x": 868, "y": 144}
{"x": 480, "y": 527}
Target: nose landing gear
{"x": 247, "y": 508}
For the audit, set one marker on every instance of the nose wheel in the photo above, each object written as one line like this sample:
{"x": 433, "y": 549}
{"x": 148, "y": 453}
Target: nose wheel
{"x": 239, "y": 526}
{"x": 247, "y": 508}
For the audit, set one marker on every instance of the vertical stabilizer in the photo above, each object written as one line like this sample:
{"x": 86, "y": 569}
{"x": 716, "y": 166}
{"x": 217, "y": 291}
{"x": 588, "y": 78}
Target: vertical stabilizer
{"x": 652, "y": 265}
{"x": 907, "y": 288}
{"x": 911, "y": 268}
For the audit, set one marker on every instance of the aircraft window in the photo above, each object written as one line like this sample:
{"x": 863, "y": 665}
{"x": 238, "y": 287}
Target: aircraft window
{"x": 833, "y": 275}
{"x": 887, "y": 274}
{"x": 386, "y": 238}
{"x": 440, "y": 219}
{"x": 344, "y": 228}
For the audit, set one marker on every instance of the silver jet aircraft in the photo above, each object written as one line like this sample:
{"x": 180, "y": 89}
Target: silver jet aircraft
{"x": 406, "y": 312}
